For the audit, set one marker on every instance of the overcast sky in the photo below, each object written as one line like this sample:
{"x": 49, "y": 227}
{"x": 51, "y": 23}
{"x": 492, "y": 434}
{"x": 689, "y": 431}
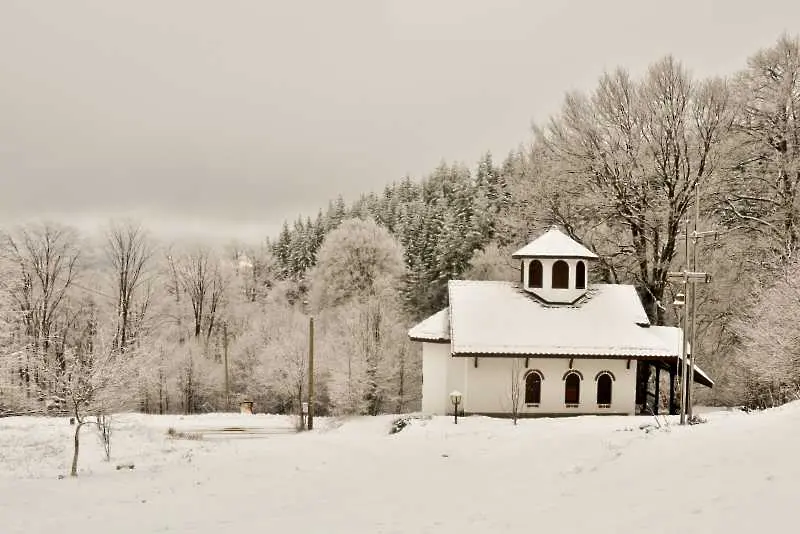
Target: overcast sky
{"x": 228, "y": 116}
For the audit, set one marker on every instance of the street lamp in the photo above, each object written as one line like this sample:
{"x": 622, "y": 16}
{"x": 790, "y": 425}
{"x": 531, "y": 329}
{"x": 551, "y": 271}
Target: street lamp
{"x": 455, "y": 398}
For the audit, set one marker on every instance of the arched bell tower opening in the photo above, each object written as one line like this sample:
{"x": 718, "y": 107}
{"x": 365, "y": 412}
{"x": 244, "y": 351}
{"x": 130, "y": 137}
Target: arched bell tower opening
{"x": 535, "y": 274}
{"x": 554, "y": 267}
{"x": 580, "y": 275}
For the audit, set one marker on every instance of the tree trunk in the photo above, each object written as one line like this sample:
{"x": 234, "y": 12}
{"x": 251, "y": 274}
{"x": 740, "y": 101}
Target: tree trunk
{"x": 76, "y": 448}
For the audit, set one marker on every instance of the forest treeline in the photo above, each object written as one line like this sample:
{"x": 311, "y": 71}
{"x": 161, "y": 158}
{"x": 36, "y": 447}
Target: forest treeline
{"x": 618, "y": 168}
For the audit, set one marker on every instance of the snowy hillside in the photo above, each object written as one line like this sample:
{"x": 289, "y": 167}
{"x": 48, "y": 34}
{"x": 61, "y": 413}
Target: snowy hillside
{"x": 737, "y": 473}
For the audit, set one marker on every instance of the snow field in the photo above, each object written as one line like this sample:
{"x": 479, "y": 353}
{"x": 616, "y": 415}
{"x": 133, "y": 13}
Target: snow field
{"x": 599, "y": 474}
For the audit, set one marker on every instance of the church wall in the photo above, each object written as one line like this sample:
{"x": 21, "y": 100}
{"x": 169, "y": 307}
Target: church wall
{"x": 438, "y": 371}
{"x": 487, "y": 387}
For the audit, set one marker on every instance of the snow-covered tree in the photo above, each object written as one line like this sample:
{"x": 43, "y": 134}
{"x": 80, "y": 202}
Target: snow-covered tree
{"x": 359, "y": 260}
{"x": 493, "y": 263}
{"x": 769, "y": 354}
{"x": 96, "y": 381}
{"x": 623, "y": 163}
{"x": 761, "y": 193}
{"x": 42, "y": 265}
{"x": 357, "y": 283}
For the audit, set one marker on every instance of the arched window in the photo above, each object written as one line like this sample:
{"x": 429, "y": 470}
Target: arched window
{"x": 580, "y": 275}
{"x": 604, "y": 390}
{"x": 572, "y": 390}
{"x": 535, "y": 274}
{"x": 560, "y": 275}
{"x": 533, "y": 387}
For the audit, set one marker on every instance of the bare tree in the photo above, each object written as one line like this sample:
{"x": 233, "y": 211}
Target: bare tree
{"x": 515, "y": 387}
{"x": 761, "y": 193}
{"x": 10, "y": 397}
{"x": 129, "y": 253}
{"x": 96, "y": 384}
{"x": 197, "y": 287}
{"x": 622, "y": 165}
{"x": 45, "y": 264}
{"x": 200, "y": 279}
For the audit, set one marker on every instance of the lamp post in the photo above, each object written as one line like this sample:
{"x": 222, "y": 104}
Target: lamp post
{"x": 455, "y": 398}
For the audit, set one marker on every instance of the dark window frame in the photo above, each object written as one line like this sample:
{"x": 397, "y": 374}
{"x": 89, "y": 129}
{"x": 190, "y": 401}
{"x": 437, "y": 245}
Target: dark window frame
{"x": 533, "y": 386}
{"x": 605, "y": 388}
{"x": 572, "y": 389}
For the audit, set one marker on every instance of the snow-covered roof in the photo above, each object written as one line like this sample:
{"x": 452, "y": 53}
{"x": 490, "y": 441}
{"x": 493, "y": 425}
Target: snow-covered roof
{"x": 498, "y": 318}
{"x": 434, "y": 328}
{"x": 673, "y": 336}
{"x": 554, "y": 244}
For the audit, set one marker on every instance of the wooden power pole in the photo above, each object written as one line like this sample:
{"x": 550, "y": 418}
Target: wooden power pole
{"x": 690, "y": 275}
{"x": 311, "y": 372}
{"x": 225, "y": 358}
{"x": 695, "y": 237}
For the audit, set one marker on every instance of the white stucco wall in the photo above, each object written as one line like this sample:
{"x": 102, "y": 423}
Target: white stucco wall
{"x": 487, "y": 388}
{"x": 437, "y": 370}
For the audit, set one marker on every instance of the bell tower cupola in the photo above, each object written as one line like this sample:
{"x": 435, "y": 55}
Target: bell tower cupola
{"x": 554, "y": 267}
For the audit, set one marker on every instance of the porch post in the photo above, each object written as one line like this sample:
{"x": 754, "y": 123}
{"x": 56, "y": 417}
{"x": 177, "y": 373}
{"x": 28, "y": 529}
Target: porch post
{"x": 658, "y": 389}
{"x": 672, "y": 371}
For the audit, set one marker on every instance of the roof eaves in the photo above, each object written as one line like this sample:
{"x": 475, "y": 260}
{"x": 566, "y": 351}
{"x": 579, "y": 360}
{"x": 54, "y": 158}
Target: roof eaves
{"x": 518, "y": 255}
{"x": 431, "y": 339}
{"x": 550, "y": 352}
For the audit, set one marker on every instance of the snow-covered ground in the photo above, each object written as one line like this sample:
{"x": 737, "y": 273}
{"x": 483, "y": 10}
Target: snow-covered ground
{"x": 737, "y": 473}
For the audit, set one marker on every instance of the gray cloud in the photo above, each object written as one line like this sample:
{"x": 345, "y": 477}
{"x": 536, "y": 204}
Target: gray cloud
{"x": 235, "y": 115}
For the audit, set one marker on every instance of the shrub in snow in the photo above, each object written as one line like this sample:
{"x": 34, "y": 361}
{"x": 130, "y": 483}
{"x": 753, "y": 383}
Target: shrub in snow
{"x": 697, "y": 420}
{"x": 403, "y": 421}
{"x": 399, "y": 424}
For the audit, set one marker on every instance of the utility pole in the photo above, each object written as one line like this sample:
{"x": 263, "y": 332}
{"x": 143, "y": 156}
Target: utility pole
{"x": 225, "y": 357}
{"x": 685, "y": 378}
{"x": 690, "y": 392}
{"x": 695, "y": 237}
{"x": 311, "y": 372}
{"x": 685, "y": 278}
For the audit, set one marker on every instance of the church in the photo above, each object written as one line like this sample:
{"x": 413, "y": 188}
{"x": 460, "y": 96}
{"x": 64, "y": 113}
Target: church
{"x": 553, "y": 344}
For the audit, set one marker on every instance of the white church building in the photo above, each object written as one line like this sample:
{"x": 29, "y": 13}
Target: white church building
{"x": 565, "y": 346}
